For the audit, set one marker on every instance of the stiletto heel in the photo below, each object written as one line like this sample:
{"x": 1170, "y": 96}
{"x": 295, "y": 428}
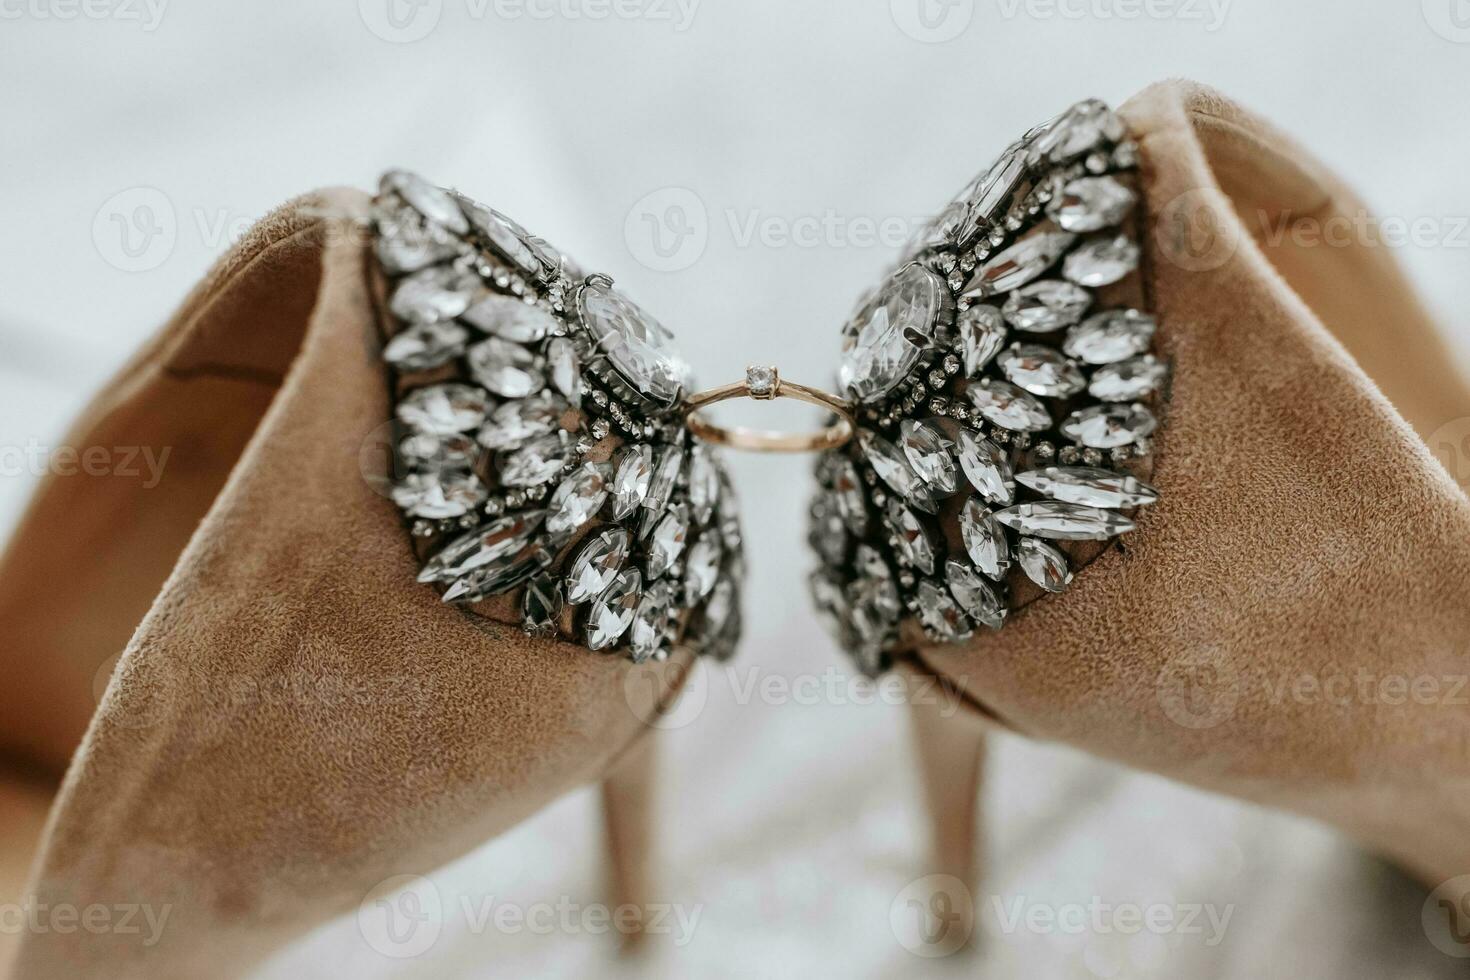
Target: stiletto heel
{"x": 629, "y": 802}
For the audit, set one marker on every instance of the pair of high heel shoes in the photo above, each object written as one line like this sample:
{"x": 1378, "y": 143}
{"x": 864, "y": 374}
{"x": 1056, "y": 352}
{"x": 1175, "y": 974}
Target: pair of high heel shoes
{"x": 1113, "y": 364}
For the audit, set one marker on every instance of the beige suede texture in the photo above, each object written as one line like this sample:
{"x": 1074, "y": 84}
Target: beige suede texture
{"x": 1305, "y": 533}
{"x": 295, "y": 719}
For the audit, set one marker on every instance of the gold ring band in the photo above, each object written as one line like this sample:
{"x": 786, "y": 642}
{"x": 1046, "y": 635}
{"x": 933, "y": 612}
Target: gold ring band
{"x": 763, "y": 384}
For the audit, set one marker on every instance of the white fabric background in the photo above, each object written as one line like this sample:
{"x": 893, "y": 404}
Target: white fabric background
{"x": 792, "y": 827}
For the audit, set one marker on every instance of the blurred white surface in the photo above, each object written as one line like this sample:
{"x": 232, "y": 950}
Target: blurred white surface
{"x": 791, "y": 828}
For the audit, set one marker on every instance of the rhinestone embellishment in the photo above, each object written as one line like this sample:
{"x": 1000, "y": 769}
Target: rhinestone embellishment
{"x": 540, "y": 451}
{"x": 1007, "y": 394}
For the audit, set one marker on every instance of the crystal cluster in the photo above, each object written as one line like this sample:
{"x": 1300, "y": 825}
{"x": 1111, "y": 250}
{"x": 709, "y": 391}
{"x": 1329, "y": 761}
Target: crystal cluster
{"x": 1005, "y": 400}
{"x": 540, "y": 445}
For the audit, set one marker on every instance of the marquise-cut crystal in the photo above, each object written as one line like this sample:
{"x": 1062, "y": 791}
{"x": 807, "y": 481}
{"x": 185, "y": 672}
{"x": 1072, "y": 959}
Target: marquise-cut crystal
{"x": 847, "y": 493}
{"x": 536, "y": 462}
{"x": 638, "y": 346}
{"x": 982, "y": 331}
{"x": 828, "y": 532}
{"x": 1044, "y": 564}
{"x": 506, "y": 236}
{"x": 831, "y": 602}
{"x": 495, "y": 542}
{"x": 702, "y": 567}
{"x": 578, "y": 497}
{"x": 566, "y": 369}
{"x": 893, "y": 469}
{"x": 1081, "y": 129}
{"x": 993, "y": 191}
{"x": 1091, "y": 204}
{"x": 1046, "y": 305}
{"x": 438, "y": 293}
{"x": 426, "y": 345}
{"x": 1062, "y": 521}
{"x": 930, "y": 454}
{"x": 913, "y": 539}
{"x": 661, "y": 485}
{"x": 1089, "y": 485}
{"x": 1125, "y": 381}
{"x": 1101, "y": 261}
{"x": 1041, "y": 370}
{"x": 595, "y": 566}
{"x": 431, "y": 452}
{"x": 987, "y": 467}
{"x": 668, "y": 540}
{"x": 612, "y": 613}
{"x": 517, "y": 422}
{"x": 1110, "y": 426}
{"x": 704, "y": 485}
{"x": 510, "y": 319}
{"x": 428, "y": 200}
{"x": 443, "y": 409}
{"x": 504, "y": 368}
{"x": 542, "y": 604}
{"x": 632, "y": 479}
{"x": 1007, "y": 406}
{"x": 985, "y": 540}
{"x": 499, "y": 577}
{"x": 873, "y": 594}
{"x": 648, "y": 634}
{"x": 438, "y": 494}
{"x": 1016, "y": 266}
{"x": 974, "y": 594}
{"x": 409, "y": 244}
{"x": 1110, "y": 336}
{"x": 883, "y": 341}
{"x": 940, "y": 614}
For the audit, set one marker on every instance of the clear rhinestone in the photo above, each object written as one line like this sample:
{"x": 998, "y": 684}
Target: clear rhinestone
{"x": 668, "y": 540}
{"x": 1089, "y": 485}
{"x": 597, "y": 564}
{"x": 827, "y": 595}
{"x": 1044, "y": 564}
{"x": 991, "y": 193}
{"x": 974, "y": 595}
{"x": 1110, "y": 426}
{"x": 496, "y": 542}
{"x": 510, "y": 319}
{"x": 432, "y": 202}
{"x": 499, "y": 577}
{"x": 847, "y": 493}
{"x": 1041, "y": 371}
{"x": 986, "y": 467}
{"x": 426, "y": 345}
{"x": 1019, "y": 264}
{"x": 661, "y": 485}
{"x": 1046, "y": 305}
{"x": 722, "y": 610}
{"x": 650, "y": 628}
{"x": 829, "y": 533}
{"x": 430, "y": 452}
{"x": 1110, "y": 336}
{"x": 566, "y": 369}
{"x": 893, "y": 469}
{"x": 930, "y": 454}
{"x": 443, "y": 409}
{"x": 882, "y": 343}
{"x": 612, "y": 613}
{"x": 632, "y": 480}
{"x": 438, "y": 293}
{"x": 536, "y": 462}
{"x": 506, "y": 236}
{"x": 985, "y": 539}
{"x": 982, "y": 331}
{"x": 1079, "y": 130}
{"x": 579, "y": 497}
{"x": 1090, "y": 204}
{"x": 704, "y": 484}
{"x": 1128, "y": 380}
{"x": 439, "y": 494}
{"x": 1007, "y": 406}
{"x": 638, "y": 346}
{"x": 1101, "y": 261}
{"x": 506, "y": 369}
{"x": 913, "y": 540}
{"x": 407, "y": 244}
{"x": 1062, "y": 521}
{"x": 702, "y": 568}
{"x": 542, "y": 604}
{"x": 941, "y": 615}
{"x": 515, "y": 423}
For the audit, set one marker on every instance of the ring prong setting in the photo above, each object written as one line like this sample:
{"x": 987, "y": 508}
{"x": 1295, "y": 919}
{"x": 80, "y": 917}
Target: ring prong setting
{"x": 763, "y": 381}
